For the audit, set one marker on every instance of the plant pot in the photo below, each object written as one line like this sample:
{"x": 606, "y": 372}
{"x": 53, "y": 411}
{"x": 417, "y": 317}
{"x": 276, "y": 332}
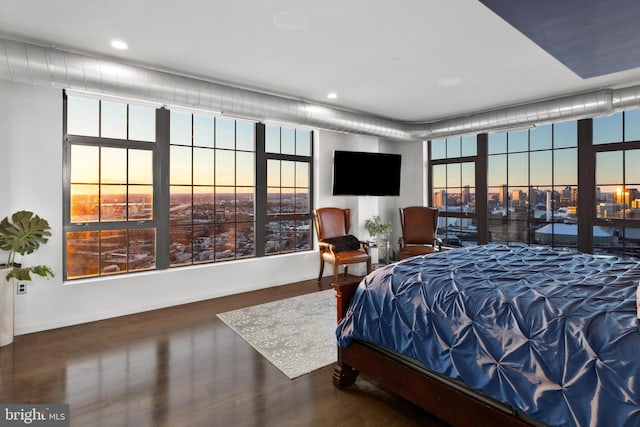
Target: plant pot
{"x": 7, "y": 292}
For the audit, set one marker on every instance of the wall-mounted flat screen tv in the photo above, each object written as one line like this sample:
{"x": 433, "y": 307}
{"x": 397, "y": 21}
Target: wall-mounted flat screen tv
{"x": 358, "y": 173}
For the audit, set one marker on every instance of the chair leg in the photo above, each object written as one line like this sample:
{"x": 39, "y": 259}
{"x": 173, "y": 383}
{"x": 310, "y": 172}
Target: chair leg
{"x": 336, "y": 267}
{"x": 369, "y": 266}
{"x": 321, "y": 268}
{"x": 346, "y": 271}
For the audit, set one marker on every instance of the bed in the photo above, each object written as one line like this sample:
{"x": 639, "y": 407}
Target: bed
{"x": 499, "y": 335}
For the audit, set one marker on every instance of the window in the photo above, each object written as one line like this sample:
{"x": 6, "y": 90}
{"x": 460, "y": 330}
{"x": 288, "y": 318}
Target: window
{"x": 532, "y": 184}
{"x": 288, "y": 158}
{"x": 453, "y": 189}
{"x": 212, "y": 189}
{"x": 532, "y": 179}
{"x": 148, "y": 188}
{"x": 616, "y": 140}
{"x": 109, "y": 215}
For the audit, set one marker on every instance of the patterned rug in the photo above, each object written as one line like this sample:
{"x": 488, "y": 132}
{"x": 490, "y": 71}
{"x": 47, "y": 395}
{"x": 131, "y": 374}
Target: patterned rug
{"x": 296, "y": 334}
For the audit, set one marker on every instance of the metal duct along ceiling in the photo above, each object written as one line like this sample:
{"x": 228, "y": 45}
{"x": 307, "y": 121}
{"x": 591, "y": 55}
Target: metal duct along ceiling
{"x": 28, "y": 63}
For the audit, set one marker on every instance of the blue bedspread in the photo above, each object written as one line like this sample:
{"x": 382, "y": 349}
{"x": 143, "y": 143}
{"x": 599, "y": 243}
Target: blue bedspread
{"x": 553, "y": 334}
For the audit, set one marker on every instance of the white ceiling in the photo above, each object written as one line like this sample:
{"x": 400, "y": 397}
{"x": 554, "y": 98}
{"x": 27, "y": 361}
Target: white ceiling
{"x": 381, "y": 57}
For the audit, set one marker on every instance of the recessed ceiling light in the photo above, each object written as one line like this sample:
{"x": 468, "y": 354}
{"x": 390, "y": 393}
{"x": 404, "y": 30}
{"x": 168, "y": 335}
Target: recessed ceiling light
{"x": 291, "y": 21}
{"x": 449, "y": 81}
{"x": 332, "y": 95}
{"x": 119, "y": 44}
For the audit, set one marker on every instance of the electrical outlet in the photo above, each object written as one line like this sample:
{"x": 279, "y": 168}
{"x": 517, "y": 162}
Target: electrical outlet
{"x": 22, "y": 288}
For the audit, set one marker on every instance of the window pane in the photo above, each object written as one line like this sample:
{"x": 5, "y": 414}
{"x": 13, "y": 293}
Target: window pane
{"x": 113, "y": 202}
{"x": 83, "y": 116}
{"x": 288, "y": 141}
{"x": 565, "y": 134}
{"x": 245, "y": 197}
{"x": 142, "y": 123}
{"x": 609, "y": 168}
{"x": 288, "y": 173}
{"x": 245, "y": 139}
{"x": 225, "y": 204}
{"x": 273, "y": 173}
{"x": 84, "y": 203}
{"x": 453, "y": 175}
{"x": 540, "y": 137}
{"x": 303, "y": 142}
{"x": 113, "y": 245}
{"x": 245, "y": 243}
{"x": 273, "y": 201}
{"x": 142, "y": 249}
{"x": 83, "y": 254}
{"x": 439, "y": 176}
{"x": 226, "y": 242}
{"x": 607, "y": 129}
{"x": 180, "y": 128}
{"x": 438, "y": 149}
{"x": 541, "y": 168}
{"x": 204, "y": 243}
{"x": 140, "y": 167}
{"x": 272, "y": 136}
{"x": 453, "y": 147}
{"x": 245, "y": 167}
{"x": 469, "y": 145}
{"x": 225, "y": 133}
{"x": 84, "y": 164}
{"x": 204, "y": 204}
{"x": 632, "y": 167}
{"x": 632, "y": 125}
{"x": 497, "y": 143}
{"x": 610, "y": 199}
{"x": 140, "y": 203}
{"x": 518, "y": 169}
{"x": 518, "y": 141}
{"x": 180, "y": 166}
{"x": 180, "y": 250}
{"x": 469, "y": 198}
{"x": 565, "y": 166}
{"x": 497, "y": 170}
{"x": 203, "y": 131}
{"x": 180, "y": 205}
{"x": 114, "y": 120}
{"x": 303, "y": 235}
{"x": 468, "y": 174}
{"x": 302, "y": 174}
{"x": 225, "y": 167}
{"x": 439, "y": 199}
{"x": 203, "y": 166}
{"x": 301, "y": 201}
{"x": 272, "y": 237}
{"x": 113, "y": 165}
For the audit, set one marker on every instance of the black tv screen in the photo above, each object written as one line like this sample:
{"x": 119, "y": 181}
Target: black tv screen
{"x": 358, "y": 173}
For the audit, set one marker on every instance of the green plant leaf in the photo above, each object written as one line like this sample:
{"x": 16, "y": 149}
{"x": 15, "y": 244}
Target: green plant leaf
{"x": 24, "y": 233}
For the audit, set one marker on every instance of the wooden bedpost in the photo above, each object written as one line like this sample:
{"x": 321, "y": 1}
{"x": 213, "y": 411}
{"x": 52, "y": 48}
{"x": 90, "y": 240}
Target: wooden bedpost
{"x": 343, "y": 374}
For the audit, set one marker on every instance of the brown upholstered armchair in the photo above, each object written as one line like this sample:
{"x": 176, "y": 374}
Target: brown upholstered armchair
{"x": 419, "y": 225}
{"x": 337, "y": 246}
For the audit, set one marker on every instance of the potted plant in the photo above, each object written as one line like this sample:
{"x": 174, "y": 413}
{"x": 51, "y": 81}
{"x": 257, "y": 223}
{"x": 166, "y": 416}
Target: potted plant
{"x": 22, "y": 234}
{"x": 378, "y": 227}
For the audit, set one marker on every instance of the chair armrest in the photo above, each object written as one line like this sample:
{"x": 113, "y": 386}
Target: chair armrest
{"x": 324, "y": 246}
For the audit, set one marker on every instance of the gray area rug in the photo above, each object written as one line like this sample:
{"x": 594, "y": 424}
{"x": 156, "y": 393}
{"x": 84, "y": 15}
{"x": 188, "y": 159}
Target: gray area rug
{"x": 296, "y": 334}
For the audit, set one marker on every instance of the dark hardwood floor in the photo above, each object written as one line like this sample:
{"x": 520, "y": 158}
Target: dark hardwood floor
{"x": 182, "y": 366}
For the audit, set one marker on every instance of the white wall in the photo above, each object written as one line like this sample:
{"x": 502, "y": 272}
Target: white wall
{"x": 31, "y": 178}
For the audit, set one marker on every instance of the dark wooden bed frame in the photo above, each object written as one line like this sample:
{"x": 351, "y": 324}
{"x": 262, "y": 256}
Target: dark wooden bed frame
{"x": 442, "y": 397}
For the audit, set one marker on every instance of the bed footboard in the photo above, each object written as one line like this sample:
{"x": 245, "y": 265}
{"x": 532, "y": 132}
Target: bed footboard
{"x": 452, "y": 403}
